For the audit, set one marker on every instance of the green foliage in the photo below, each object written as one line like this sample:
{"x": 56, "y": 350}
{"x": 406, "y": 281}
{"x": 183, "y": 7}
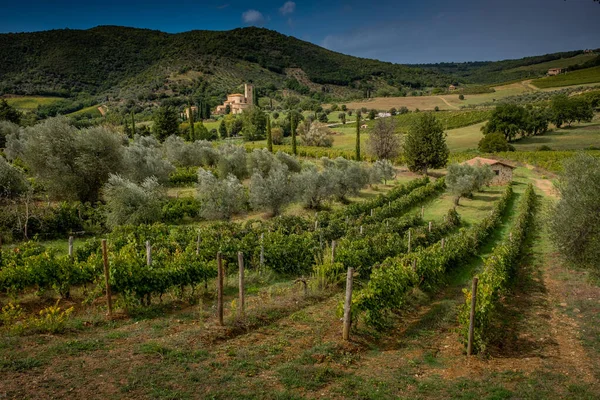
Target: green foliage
{"x": 575, "y": 220}
{"x": 390, "y": 283}
{"x": 232, "y": 161}
{"x": 462, "y": 179}
{"x": 357, "y": 144}
{"x": 313, "y": 186}
{"x": 12, "y": 180}
{"x": 254, "y": 123}
{"x": 493, "y": 143}
{"x": 8, "y": 113}
{"x": 7, "y": 128}
{"x": 425, "y": 145}
{"x": 144, "y": 159}
{"x": 269, "y": 135}
{"x": 348, "y": 176}
{"x": 185, "y": 154}
{"x": 220, "y": 199}
{"x": 166, "y": 122}
{"x": 70, "y": 163}
{"x": 383, "y": 171}
{"x": 495, "y": 278}
{"x": 508, "y": 119}
{"x": 583, "y": 76}
{"x": 131, "y": 203}
{"x": 570, "y": 109}
{"x": 272, "y": 191}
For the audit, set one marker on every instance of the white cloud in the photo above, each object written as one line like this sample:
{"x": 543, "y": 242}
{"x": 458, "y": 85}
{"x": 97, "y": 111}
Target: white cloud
{"x": 288, "y": 8}
{"x": 253, "y": 17}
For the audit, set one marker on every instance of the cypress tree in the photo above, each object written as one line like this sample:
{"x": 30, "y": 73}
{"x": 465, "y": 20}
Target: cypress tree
{"x": 222, "y": 129}
{"x": 358, "y": 136}
{"x": 269, "y": 137}
{"x": 132, "y": 124}
{"x": 192, "y": 133}
{"x": 293, "y": 128}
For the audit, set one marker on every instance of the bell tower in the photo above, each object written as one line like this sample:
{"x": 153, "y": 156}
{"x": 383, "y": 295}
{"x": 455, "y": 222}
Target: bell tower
{"x": 249, "y": 93}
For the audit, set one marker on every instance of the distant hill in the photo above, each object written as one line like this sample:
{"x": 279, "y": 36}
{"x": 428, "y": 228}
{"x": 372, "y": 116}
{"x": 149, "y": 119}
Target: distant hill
{"x": 124, "y": 62}
{"x": 491, "y": 72}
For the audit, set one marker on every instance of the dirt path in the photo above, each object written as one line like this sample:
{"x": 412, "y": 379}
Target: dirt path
{"x": 448, "y": 104}
{"x": 546, "y": 186}
{"x": 529, "y": 86}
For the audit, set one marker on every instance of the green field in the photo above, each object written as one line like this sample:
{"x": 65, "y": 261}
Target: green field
{"x": 92, "y": 111}
{"x": 561, "y": 63}
{"x": 580, "y": 77}
{"x": 30, "y": 103}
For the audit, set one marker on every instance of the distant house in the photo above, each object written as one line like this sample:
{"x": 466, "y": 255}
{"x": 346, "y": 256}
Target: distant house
{"x": 365, "y": 126}
{"x": 238, "y": 102}
{"x": 451, "y": 87}
{"x": 554, "y": 71}
{"x": 502, "y": 170}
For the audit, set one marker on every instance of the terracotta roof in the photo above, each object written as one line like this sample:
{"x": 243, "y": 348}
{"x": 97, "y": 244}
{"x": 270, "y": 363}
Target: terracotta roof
{"x": 486, "y": 161}
{"x": 235, "y": 94}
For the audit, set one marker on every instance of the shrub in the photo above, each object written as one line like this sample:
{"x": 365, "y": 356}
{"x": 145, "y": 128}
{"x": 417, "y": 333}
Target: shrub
{"x": 575, "y": 220}
{"x": 273, "y": 191}
{"x": 315, "y": 134}
{"x": 219, "y": 199}
{"x": 290, "y": 161}
{"x": 12, "y": 180}
{"x": 261, "y": 161}
{"x": 313, "y": 186}
{"x": 185, "y": 154}
{"x": 130, "y": 203}
{"x": 144, "y": 159}
{"x": 383, "y": 171}
{"x": 232, "y": 161}
{"x": 493, "y": 143}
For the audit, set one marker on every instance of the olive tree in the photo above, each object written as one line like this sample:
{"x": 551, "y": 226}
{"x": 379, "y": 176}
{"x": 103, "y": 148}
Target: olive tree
{"x": 314, "y": 186}
{"x": 273, "y": 191}
{"x": 12, "y": 180}
{"x": 219, "y": 198}
{"x": 261, "y": 161}
{"x": 189, "y": 154}
{"x": 348, "y": 177}
{"x": 232, "y": 161}
{"x": 290, "y": 161}
{"x": 462, "y": 179}
{"x": 144, "y": 159}
{"x": 130, "y": 203}
{"x": 7, "y": 128}
{"x": 71, "y": 163}
{"x": 382, "y": 170}
{"x": 315, "y": 134}
{"x": 575, "y": 218}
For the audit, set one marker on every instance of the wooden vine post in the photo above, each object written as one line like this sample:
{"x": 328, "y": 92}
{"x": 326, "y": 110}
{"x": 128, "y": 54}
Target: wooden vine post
{"x": 472, "y": 316}
{"x": 443, "y": 243}
{"x": 198, "y": 245}
{"x": 242, "y": 301}
{"x": 361, "y": 229}
{"x": 220, "y": 288}
{"x": 422, "y": 211}
{"x": 430, "y": 226}
{"x": 348, "y": 305}
{"x": 71, "y": 246}
{"x": 409, "y": 237}
{"x": 107, "y": 278}
{"x": 148, "y": 253}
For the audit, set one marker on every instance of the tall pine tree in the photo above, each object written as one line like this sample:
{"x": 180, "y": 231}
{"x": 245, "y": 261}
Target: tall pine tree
{"x": 132, "y": 124}
{"x": 192, "y": 133}
{"x": 425, "y": 145}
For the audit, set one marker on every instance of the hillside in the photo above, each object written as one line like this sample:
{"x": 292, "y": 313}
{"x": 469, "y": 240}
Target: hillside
{"x": 492, "y": 72}
{"x": 119, "y": 61}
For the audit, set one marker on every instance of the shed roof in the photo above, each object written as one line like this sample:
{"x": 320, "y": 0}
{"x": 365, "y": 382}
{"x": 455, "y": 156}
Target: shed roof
{"x": 486, "y": 161}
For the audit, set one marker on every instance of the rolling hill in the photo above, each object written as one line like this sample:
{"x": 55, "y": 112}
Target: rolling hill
{"x": 116, "y": 61}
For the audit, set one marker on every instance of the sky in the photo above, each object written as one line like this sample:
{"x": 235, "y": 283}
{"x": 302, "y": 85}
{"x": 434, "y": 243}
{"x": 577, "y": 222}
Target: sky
{"x": 401, "y": 31}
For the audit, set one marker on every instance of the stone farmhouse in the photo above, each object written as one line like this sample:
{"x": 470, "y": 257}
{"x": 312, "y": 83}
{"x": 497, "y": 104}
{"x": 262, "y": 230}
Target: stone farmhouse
{"x": 238, "y": 102}
{"x": 503, "y": 171}
{"x": 554, "y": 71}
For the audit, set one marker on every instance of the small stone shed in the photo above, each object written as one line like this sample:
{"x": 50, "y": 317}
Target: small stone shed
{"x": 502, "y": 170}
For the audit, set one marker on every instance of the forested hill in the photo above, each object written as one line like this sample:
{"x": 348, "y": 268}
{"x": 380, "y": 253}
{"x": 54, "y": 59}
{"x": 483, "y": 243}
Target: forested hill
{"x": 67, "y": 62}
{"x": 489, "y": 72}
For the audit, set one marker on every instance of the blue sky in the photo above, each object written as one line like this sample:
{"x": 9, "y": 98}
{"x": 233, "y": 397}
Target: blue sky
{"x": 404, "y": 31}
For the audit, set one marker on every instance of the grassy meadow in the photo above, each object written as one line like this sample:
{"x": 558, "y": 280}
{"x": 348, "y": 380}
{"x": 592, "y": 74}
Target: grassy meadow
{"x": 579, "y": 77}
{"x": 30, "y": 103}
